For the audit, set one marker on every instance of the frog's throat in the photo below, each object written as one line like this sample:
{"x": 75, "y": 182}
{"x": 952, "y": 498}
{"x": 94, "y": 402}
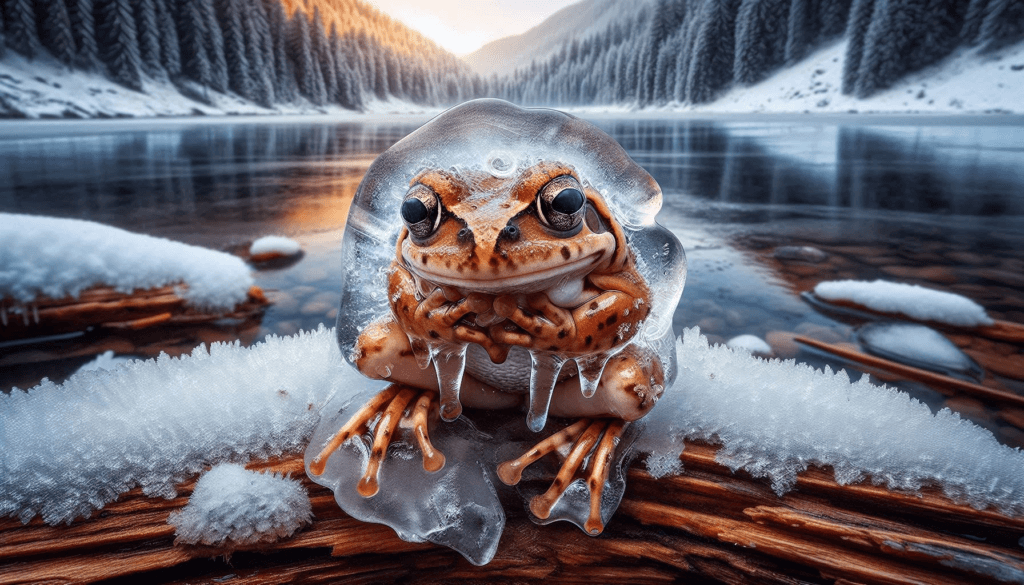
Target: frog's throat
{"x": 527, "y": 282}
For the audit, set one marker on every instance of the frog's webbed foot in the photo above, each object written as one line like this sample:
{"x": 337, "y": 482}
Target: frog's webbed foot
{"x": 389, "y": 408}
{"x": 597, "y": 436}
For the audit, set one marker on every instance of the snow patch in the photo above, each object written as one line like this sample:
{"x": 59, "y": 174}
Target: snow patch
{"x": 276, "y": 245}
{"x": 104, "y": 361}
{"x": 53, "y": 257}
{"x": 774, "y": 419}
{"x": 749, "y": 344}
{"x": 68, "y": 449}
{"x": 231, "y": 503}
{"x": 914, "y": 301}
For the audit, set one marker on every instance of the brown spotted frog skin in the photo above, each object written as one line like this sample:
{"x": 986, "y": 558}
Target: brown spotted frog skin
{"x": 535, "y": 261}
{"x": 509, "y": 274}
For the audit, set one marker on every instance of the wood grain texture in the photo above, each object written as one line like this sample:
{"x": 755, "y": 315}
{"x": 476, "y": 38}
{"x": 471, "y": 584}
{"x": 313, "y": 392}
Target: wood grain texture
{"x": 705, "y": 525}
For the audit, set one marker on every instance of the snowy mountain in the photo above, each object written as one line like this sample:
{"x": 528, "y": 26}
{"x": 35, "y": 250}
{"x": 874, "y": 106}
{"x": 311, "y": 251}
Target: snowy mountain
{"x": 505, "y": 55}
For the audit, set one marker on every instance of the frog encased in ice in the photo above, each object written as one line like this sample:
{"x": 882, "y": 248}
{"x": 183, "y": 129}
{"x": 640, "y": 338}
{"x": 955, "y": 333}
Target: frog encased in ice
{"x": 514, "y": 277}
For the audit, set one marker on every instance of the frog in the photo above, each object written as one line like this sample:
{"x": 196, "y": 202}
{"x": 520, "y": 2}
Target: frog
{"x": 506, "y": 267}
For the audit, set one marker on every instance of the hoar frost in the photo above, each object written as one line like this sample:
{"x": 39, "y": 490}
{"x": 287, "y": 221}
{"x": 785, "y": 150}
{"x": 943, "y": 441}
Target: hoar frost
{"x": 231, "y": 503}
{"x": 916, "y": 302}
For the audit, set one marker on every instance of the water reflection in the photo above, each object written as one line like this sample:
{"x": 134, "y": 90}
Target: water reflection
{"x": 926, "y": 203}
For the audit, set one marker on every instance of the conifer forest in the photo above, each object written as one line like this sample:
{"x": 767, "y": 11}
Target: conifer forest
{"x": 346, "y": 52}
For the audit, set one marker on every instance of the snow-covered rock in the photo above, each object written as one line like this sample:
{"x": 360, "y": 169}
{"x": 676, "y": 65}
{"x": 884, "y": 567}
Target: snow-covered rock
{"x": 231, "y": 503}
{"x": 914, "y": 301}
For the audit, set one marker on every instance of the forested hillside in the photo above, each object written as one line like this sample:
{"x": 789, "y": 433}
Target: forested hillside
{"x": 690, "y": 51}
{"x": 266, "y": 51}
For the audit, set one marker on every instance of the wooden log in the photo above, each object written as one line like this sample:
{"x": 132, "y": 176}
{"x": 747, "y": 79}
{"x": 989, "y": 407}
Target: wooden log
{"x": 707, "y": 522}
{"x": 104, "y": 306}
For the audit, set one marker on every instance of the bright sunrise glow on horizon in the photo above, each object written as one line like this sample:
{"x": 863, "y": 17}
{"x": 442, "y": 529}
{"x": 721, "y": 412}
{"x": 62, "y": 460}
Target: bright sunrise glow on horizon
{"x": 463, "y": 26}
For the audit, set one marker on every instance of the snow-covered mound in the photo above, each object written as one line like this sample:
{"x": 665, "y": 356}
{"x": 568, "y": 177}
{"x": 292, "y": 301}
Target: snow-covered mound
{"x": 231, "y": 503}
{"x": 53, "y": 257}
{"x": 967, "y": 81}
{"x": 914, "y": 301}
{"x": 776, "y": 418}
{"x": 274, "y": 246}
{"x": 67, "y": 450}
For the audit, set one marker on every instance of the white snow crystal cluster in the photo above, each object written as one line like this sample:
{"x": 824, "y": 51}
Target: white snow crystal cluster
{"x": 916, "y": 302}
{"x": 274, "y": 245}
{"x": 231, "y": 503}
{"x": 774, "y": 419}
{"x": 750, "y": 344}
{"x": 58, "y": 257}
{"x": 66, "y": 450}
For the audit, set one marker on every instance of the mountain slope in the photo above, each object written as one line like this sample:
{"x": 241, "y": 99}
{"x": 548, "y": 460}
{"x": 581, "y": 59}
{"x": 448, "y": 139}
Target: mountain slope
{"x": 505, "y": 55}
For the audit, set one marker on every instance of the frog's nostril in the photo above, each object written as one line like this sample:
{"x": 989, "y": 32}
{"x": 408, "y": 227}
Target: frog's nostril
{"x": 511, "y": 232}
{"x": 464, "y": 234}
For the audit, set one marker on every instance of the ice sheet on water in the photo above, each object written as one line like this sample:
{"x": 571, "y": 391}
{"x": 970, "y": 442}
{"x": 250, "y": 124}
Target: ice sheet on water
{"x": 504, "y": 140}
{"x": 59, "y": 257}
{"x": 914, "y": 301}
{"x": 68, "y": 449}
{"x": 918, "y": 346}
{"x": 231, "y": 503}
{"x": 455, "y": 506}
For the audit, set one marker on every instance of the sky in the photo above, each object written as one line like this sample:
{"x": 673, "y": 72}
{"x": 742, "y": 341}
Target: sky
{"x": 463, "y": 26}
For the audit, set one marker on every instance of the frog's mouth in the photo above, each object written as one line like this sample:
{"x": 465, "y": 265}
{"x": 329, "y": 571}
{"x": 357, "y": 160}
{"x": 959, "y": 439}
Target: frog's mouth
{"x": 539, "y": 279}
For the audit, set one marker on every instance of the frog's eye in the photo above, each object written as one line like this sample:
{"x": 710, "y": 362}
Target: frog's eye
{"x": 561, "y": 203}
{"x": 421, "y": 211}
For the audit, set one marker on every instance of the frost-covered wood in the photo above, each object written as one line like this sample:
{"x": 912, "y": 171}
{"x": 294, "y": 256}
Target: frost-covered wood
{"x": 706, "y": 521}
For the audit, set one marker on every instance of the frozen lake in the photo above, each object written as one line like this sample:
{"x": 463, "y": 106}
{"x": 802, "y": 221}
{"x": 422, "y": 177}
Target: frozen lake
{"x": 931, "y": 201}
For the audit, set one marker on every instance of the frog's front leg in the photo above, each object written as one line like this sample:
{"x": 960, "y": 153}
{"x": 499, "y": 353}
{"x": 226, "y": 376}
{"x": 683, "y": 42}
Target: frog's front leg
{"x": 394, "y": 405}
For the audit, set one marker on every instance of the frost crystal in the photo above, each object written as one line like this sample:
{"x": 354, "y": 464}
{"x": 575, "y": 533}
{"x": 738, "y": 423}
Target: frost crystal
{"x": 66, "y": 450}
{"x": 48, "y": 256}
{"x": 231, "y": 503}
{"x": 916, "y": 302}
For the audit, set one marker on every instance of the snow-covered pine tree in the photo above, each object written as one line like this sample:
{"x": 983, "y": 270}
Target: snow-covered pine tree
{"x": 1003, "y": 24}
{"x": 972, "y": 21}
{"x": 3, "y": 43}
{"x": 800, "y": 29}
{"x": 229, "y": 14}
{"x": 195, "y": 61}
{"x": 322, "y": 55}
{"x": 259, "y": 49}
{"x": 861, "y": 12}
{"x": 300, "y": 51}
{"x": 55, "y": 30}
{"x": 832, "y": 17}
{"x": 380, "y": 80}
{"x": 713, "y": 51}
{"x": 170, "y": 50}
{"x": 83, "y": 29}
{"x": 20, "y": 20}
{"x": 761, "y": 27}
{"x": 665, "y": 67}
{"x": 904, "y": 36}
{"x": 148, "y": 34}
{"x": 118, "y": 43}
{"x": 285, "y": 86}
{"x": 668, "y": 15}
{"x": 683, "y": 62}
{"x": 213, "y": 39}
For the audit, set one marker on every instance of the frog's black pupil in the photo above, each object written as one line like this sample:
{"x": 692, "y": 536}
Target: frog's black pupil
{"x": 569, "y": 201}
{"x": 414, "y": 211}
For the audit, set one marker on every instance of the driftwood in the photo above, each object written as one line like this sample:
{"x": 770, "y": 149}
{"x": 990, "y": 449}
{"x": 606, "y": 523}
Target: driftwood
{"x": 705, "y": 525}
{"x": 105, "y": 307}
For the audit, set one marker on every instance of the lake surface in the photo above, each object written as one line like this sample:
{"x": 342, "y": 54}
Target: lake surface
{"x": 937, "y": 202}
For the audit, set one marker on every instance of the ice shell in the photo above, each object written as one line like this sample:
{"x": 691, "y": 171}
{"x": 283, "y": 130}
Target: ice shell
{"x": 456, "y": 506}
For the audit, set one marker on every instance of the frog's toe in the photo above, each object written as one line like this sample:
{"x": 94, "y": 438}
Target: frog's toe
{"x": 587, "y": 436}
{"x": 390, "y": 407}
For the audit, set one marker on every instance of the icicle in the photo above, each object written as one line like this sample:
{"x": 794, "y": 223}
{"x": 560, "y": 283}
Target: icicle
{"x": 591, "y": 367}
{"x": 421, "y": 351}
{"x": 450, "y": 364}
{"x": 543, "y": 377}
{"x": 35, "y": 313}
